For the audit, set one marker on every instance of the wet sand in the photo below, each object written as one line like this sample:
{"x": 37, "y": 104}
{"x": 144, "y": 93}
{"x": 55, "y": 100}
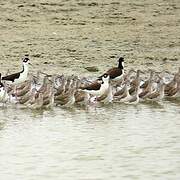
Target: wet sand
{"x": 69, "y": 36}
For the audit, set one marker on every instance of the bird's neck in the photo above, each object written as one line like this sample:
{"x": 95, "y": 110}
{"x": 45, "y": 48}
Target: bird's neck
{"x": 162, "y": 86}
{"x": 25, "y": 68}
{"x": 105, "y": 82}
{"x": 138, "y": 90}
{"x": 121, "y": 65}
{"x": 151, "y": 75}
{"x": 178, "y": 85}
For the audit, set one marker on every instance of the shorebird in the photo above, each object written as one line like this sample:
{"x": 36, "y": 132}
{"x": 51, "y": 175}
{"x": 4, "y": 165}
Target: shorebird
{"x": 115, "y": 73}
{"x": 124, "y": 92}
{"x": 147, "y": 90}
{"x": 134, "y": 99}
{"x": 175, "y": 91}
{"x": 44, "y": 85}
{"x": 27, "y": 97}
{"x": 67, "y": 98}
{"x": 61, "y": 86}
{"x": 22, "y": 91}
{"x": 98, "y": 88}
{"x": 3, "y": 93}
{"x": 107, "y": 97}
{"x": 135, "y": 82}
{"x": 48, "y": 100}
{"x": 158, "y": 94}
{"x": 68, "y": 83}
{"x": 32, "y": 97}
{"x": 81, "y": 97}
{"x": 171, "y": 85}
{"x": 19, "y": 77}
{"x": 4, "y": 97}
{"x": 36, "y": 103}
{"x": 146, "y": 83}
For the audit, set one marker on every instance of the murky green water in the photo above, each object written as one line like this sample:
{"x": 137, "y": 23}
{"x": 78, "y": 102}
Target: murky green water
{"x": 109, "y": 142}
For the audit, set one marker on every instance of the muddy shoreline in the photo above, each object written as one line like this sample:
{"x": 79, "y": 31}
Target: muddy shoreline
{"x": 69, "y": 36}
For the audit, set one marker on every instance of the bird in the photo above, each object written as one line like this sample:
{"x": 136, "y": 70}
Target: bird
{"x": 120, "y": 89}
{"x": 48, "y": 100}
{"x": 21, "y": 76}
{"x": 31, "y": 98}
{"x": 22, "y": 91}
{"x": 148, "y": 89}
{"x": 67, "y": 98}
{"x": 134, "y": 99}
{"x": 134, "y": 83}
{"x": 37, "y": 102}
{"x": 172, "y": 84}
{"x": 4, "y": 97}
{"x": 115, "y": 73}
{"x": 107, "y": 97}
{"x": 157, "y": 94}
{"x": 175, "y": 91}
{"x": 146, "y": 83}
{"x": 98, "y": 88}
{"x": 123, "y": 92}
{"x": 81, "y": 97}
{"x": 44, "y": 85}
{"x": 25, "y": 99}
{"x": 61, "y": 88}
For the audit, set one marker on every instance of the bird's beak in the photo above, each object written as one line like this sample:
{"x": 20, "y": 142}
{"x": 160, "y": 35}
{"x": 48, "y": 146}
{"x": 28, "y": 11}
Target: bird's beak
{"x": 99, "y": 78}
{"x": 142, "y": 72}
{"x": 30, "y": 64}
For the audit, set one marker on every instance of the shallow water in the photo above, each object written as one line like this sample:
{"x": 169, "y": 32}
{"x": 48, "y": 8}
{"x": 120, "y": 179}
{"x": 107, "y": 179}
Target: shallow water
{"x": 108, "y": 142}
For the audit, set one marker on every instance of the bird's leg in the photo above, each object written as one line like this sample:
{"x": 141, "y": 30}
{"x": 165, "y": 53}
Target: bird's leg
{"x": 15, "y": 91}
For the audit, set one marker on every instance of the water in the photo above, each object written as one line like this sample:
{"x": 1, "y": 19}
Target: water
{"x": 110, "y": 142}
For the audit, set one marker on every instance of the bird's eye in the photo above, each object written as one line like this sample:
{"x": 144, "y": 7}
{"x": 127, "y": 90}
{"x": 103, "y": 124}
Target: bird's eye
{"x": 25, "y": 60}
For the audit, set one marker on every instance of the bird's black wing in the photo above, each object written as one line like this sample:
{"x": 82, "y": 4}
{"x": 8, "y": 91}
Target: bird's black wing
{"x": 93, "y": 86}
{"x": 11, "y": 77}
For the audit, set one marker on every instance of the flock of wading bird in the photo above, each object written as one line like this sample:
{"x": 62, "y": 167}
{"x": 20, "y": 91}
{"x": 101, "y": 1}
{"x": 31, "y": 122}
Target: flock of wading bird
{"x": 45, "y": 91}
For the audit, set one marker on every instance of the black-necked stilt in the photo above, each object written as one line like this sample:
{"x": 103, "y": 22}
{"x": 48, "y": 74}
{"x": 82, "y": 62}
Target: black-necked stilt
{"x": 98, "y": 88}
{"x": 116, "y": 72}
{"x": 107, "y": 97}
{"x": 19, "y": 77}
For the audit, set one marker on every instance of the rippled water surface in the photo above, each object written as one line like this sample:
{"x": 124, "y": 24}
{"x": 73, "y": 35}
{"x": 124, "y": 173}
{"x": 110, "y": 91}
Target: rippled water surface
{"x": 108, "y": 142}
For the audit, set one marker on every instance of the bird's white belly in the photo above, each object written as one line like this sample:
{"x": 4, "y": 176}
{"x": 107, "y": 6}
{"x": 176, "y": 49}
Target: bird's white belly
{"x": 104, "y": 87}
{"x": 118, "y": 78}
{"x": 22, "y": 78}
